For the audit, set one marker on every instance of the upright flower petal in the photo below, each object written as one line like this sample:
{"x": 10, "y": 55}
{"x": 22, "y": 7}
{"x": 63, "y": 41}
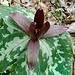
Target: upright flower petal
{"x": 32, "y": 29}
{"x": 21, "y": 20}
{"x": 44, "y": 29}
{"x": 54, "y": 30}
{"x": 32, "y": 53}
{"x": 39, "y": 18}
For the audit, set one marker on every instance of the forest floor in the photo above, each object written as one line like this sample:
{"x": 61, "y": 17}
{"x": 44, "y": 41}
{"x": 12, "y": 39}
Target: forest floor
{"x": 63, "y": 10}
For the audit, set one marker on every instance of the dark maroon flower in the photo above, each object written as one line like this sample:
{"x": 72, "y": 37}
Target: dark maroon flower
{"x": 36, "y": 30}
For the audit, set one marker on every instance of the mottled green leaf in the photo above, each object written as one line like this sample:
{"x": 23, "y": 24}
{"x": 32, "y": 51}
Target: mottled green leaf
{"x": 55, "y": 58}
{"x": 12, "y": 44}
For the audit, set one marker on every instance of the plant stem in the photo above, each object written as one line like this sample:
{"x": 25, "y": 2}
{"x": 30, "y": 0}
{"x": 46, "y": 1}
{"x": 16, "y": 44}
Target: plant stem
{"x": 61, "y": 17}
{"x": 57, "y": 4}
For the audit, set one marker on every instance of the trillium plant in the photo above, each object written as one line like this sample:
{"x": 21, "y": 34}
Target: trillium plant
{"x": 36, "y": 30}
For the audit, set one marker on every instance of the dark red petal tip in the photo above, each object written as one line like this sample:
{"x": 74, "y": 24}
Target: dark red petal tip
{"x": 39, "y": 18}
{"x": 11, "y": 14}
{"x": 31, "y": 66}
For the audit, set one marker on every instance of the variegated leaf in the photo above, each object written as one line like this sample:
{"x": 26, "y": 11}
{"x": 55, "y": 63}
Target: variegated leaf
{"x": 55, "y": 58}
{"x": 12, "y": 44}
